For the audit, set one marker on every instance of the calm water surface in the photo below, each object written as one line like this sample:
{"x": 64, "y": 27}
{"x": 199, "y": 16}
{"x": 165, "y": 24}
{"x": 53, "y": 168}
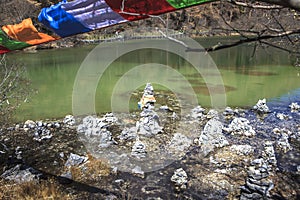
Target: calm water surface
{"x": 247, "y": 76}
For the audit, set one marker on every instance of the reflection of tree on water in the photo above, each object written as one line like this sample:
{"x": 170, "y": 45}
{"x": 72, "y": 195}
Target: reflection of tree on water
{"x": 13, "y": 88}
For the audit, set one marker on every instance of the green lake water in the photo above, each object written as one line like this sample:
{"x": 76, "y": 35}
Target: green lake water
{"x": 247, "y": 77}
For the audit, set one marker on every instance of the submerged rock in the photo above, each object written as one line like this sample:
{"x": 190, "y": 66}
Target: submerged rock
{"x": 261, "y": 106}
{"x": 212, "y": 136}
{"x": 180, "y": 179}
{"x": 21, "y": 174}
{"x": 240, "y": 126}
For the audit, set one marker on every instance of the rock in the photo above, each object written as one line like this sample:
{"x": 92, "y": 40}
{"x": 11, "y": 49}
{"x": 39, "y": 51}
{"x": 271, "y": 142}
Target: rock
{"x": 21, "y": 174}
{"x": 174, "y": 116}
{"x": 148, "y": 125}
{"x": 294, "y": 107}
{"x": 180, "y": 179}
{"x": 138, "y": 171}
{"x": 261, "y": 106}
{"x": 67, "y": 175}
{"x": 95, "y": 131}
{"x": 69, "y": 120}
{"x": 229, "y": 112}
{"x": 283, "y": 143}
{"x": 18, "y": 153}
{"x": 240, "y": 126}
{"x": 42, "y": 133}
{"x": 3, "y": 148}
{"x": 128, "y": 134}
{"x": 212, "y": 136}
{"x": 75, "y": 160}
{"x": 212, "y": 114}
{"x": 242, "y": 149}
{"x": 282, "y": 116}
{"x": 147, "y": 101}
{"x": 198, "y": 112}
{"x": 269, "y": 155}
{"x": 164, "y": 108}
{"x": 109, "y": 118}
{"x": 29, "y": 124}
{"x": 139, "y": 150}
{"x": 258, "y": 184}
{"x": 179, "y": 143}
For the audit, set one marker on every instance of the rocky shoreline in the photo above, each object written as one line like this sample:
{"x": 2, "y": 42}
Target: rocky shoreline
{"x": 155, "y": 154}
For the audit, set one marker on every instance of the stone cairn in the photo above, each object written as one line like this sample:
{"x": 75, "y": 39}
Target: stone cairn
{"x": 212, "y": 137}
{"x": 148, "y": 125}
{"x": 258, "y": 183}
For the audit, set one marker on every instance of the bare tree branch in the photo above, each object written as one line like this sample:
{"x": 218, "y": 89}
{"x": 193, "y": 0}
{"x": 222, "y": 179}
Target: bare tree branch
{"x": 294, "y": 4}
{"x": 255, "y": 6}
{"x": 261, "y": 39}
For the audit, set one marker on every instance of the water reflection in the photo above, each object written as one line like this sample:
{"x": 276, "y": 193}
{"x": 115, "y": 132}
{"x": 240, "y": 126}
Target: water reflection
{"x": 247, "y": 77}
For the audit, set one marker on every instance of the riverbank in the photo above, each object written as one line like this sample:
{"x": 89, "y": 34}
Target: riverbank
{"x": 206, "y": 154}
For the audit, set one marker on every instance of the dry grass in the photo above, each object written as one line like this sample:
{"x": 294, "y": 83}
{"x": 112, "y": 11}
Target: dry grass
{"x": 93, "y": 170}
{"x": 32, "y": 191}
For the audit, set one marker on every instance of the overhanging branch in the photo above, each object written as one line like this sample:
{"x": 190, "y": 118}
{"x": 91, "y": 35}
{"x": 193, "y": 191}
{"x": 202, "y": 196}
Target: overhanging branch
{"x": 220, "y": 46}
{"x": 255, "y": 6}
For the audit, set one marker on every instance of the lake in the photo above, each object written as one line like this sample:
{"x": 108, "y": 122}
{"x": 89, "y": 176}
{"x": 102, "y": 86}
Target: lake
{"x": 246, "y": 76}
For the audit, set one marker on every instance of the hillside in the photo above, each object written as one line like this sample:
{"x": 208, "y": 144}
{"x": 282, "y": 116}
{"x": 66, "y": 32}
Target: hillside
{"x": 217, "y": 18}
